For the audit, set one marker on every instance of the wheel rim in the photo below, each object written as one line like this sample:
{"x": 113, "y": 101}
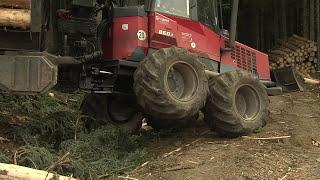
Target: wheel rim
{"x": 121, "y": 109}
{"x": 247, "y": 102}
{"x": 182, "y": 81}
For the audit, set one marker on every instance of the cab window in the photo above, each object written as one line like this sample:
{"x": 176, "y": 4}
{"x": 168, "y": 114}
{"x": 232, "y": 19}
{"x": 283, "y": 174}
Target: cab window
{"x": 208, "y": 13}
{"x": 173, "y": 7}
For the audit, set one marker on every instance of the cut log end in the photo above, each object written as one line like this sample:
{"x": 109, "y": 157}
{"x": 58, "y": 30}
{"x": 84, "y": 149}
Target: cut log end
{"x": 17, "y": 4}
{"x": 17, "y": 18}
{"x": 10, "y": 171}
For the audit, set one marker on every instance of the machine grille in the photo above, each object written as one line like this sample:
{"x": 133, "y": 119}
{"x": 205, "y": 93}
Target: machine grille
{"x": 245, "y": 59}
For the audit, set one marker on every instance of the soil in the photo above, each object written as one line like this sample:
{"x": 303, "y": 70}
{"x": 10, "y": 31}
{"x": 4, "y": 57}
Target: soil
{"x": 201, "y": 154}
{"x": 198, "y": 153}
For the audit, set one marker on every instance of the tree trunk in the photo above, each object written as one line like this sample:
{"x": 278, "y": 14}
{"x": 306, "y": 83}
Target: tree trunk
{"x": 10, "y": 171}
{"x": 283, "y": 19}
{"x": 276, "y": 19}
{"x": 318, "y": 32}
{"x": 312, "y": 33}
{"x": 305, "y": 19}
{"x": 255, "y": 14}
{"x": 291, "y": 20}
{"x": 18, "y": 18}
{"x": 23, "y": 4}
{"x": 262, "y": 31}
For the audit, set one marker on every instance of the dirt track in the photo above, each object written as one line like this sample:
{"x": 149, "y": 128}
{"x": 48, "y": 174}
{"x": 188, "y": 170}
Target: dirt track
{"x": 209, "y": 157}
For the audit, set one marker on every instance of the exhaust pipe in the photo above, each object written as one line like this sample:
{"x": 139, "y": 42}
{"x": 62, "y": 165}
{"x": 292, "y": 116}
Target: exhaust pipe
{"x": 233, "y": 23}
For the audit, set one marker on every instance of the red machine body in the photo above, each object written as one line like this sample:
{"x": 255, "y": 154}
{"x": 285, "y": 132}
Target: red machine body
{"x": 130, "y": 38}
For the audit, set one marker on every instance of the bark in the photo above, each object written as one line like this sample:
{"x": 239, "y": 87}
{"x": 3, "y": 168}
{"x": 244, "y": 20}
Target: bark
{"x": 276, "y": 19}
{"x": 305, "y": 19}
{"x": 18, "y": 18}
{"x": 23, "y": 4}
{"x": 283, "y": 19}
{"x": 10, "y": 171}
{"x": 262, "y": 31}
{"x": 318, "y": 32}
{"x": 312, "y": 16}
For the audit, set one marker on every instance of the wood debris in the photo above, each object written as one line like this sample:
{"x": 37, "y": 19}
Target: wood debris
{"x": 10, "y": 171}
{"x": 315, "y": 143}
{"x": 127, "y": 178}
{"x": 296, "y": 52}
{"x": 267, "y": 138}
{"x": 179, "y": 167}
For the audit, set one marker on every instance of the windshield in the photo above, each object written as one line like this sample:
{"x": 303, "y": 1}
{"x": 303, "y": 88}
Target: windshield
{"x": 208, "y": 13}
{"x": 173, "y": 7}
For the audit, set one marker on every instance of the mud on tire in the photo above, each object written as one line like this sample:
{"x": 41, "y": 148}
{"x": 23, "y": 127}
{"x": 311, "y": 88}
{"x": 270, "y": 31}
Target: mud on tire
{"x": 171, "y": 84}
{"x": 237, "y": 105}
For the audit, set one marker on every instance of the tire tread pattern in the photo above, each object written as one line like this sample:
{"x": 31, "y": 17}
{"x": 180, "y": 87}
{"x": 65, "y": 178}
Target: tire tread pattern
{"x": 220, "y": 113}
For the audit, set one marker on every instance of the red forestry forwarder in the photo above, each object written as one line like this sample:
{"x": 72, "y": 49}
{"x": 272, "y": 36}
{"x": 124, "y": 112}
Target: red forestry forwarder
{"x": 159, "y": 59}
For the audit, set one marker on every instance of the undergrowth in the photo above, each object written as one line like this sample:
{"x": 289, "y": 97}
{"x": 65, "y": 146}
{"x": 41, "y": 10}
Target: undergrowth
{"x": 51, "y": 134}
{"x": 4, "y": 158}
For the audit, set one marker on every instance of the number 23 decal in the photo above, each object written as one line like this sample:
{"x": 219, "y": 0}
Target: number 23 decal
{"x": 142, "y": 35}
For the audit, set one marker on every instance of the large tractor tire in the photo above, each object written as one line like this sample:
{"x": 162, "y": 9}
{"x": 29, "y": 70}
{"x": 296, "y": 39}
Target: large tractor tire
{"x": 116, "y": 110}
{"x": 171, "y": 84}
{"x": 238, "y": 104}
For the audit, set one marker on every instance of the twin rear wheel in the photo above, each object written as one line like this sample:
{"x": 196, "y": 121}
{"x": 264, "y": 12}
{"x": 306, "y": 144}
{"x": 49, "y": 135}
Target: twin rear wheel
{"x": 171, "y": 85}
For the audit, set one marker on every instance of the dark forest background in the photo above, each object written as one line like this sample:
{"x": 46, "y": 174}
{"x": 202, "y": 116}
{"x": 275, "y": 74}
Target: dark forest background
{"x": 262, "y": 22}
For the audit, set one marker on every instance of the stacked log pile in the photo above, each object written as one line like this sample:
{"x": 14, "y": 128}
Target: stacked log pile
{"x": 296, "y": 52}
{"x": 15, "y": 13}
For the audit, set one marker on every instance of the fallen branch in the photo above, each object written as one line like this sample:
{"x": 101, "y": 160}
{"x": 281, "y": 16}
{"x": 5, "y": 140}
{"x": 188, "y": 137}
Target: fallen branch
{"x": 64, "y": 159}
{"x": 185, "y": 146}
{"x": 193, "y": 162}
{"x": 127, "y": 178}
{"x": 172, "y": 152}
{"x": 178, "y": 168}
{"x": 10, "y": 171}
{"x": 269, "y": 138}
{"x": 104, "y": 176}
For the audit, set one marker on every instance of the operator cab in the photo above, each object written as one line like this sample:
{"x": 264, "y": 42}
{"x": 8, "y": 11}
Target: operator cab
{"x": 191, "y": 9}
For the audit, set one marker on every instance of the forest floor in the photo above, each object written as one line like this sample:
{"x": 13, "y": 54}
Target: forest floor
{"x": 189, "y": 153}
{"x": 197, "y": 153}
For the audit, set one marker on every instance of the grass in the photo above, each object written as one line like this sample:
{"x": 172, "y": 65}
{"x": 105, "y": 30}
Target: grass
{"x": 51, "y": 134}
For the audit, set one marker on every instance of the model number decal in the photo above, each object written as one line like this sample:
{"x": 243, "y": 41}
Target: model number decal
{"x": 166, "y": 33}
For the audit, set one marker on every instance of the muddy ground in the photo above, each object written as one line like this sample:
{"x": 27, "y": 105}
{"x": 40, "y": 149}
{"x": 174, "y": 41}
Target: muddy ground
{"x": 197, "y": 153}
